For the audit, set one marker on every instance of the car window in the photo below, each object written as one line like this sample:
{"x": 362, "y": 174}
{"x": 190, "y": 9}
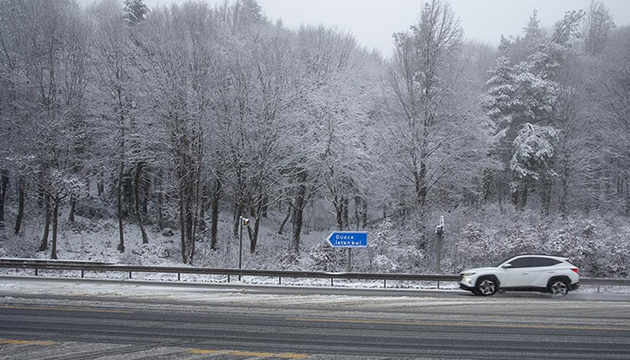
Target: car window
{"x": 537, "y": 262}
{"x": 502, "y": 262}
{"x": 520, "y": 263}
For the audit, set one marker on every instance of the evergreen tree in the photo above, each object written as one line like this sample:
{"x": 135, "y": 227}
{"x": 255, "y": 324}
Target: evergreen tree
{"x": 135, "y": 11}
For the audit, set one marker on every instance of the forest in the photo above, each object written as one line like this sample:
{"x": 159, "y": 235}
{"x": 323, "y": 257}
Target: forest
{"x": 188, "y": 117}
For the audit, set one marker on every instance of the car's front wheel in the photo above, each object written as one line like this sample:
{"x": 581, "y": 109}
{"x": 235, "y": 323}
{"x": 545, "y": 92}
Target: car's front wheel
{"x": 558, "y": 287}
{"x": 486, "y": 286}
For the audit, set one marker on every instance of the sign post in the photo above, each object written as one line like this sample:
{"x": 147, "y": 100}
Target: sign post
{"x": 241, "y": 222}
{"x": 439, "y": 231}
{"x": 348, "y": 240}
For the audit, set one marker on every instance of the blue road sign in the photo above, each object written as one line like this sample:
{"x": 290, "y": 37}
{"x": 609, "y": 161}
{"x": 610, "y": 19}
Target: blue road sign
{"x": 348, "y": 239}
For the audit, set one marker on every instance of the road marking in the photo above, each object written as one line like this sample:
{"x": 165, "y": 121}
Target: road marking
{"x": 205, "y": 352}
{"x": 26, "y": 342}
{"x": 488, "y": 325}
{"x": 65, "y": 309}
{"x": 291, "y": 356}
{"x": 248, "y": 353}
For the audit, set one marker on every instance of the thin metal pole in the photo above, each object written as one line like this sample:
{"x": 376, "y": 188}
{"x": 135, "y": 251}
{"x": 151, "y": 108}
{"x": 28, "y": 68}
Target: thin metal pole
{"x": 130, "y": 274}
{"x": 385, "y": 283}
{"x": 349, "y": 267}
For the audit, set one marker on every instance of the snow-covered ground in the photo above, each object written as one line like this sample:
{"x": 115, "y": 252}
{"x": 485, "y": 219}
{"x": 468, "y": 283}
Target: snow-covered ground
{"x": 97, "y": 241}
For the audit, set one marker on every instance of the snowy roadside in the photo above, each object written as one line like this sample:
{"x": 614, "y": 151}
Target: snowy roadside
{"x": 158, "y": 279}
{"x": 223, "y": 279}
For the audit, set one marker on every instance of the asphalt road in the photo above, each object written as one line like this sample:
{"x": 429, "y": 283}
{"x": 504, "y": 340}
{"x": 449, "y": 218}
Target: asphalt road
{"x": 73, "y": 319}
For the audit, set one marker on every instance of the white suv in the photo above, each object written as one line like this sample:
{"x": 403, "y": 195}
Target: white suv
{"x": 526, "y": 272}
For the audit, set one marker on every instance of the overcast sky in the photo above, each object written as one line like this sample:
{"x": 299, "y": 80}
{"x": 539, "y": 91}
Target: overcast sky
{"x": 373, "y": 22}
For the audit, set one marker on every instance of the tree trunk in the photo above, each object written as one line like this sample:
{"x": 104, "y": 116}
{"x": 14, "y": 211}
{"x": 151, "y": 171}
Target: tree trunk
{"x": 121, "y": 244}
{"x": 44, "y": 244}
{"x": 546, "y": 188}
{"x": 136, "y": 193}
{"x": 192, "y": 209}
{"x": 360, "y": 212}
{"x": 190, "y": 236}
{"x": 215, "y": 214}
{"x": 338, "y": 204}
{"x": 265, "y": 207}
{"x": 100, "y": 186}
{"x": 286, "y": 218}
{"x": 364, "y": 213}
{"x": 73, "y": 205}
{"x": 346, "y": 220}
{"x": 565, "y": 187}
{"x": 4, "y": 184}
{"x": 182, "y": 226}
{"x": 357, "y": 216}
{"x": 202, "y": 207}
{"x": 298, "y": 212}
{"x": 145, "y": 198}
{"x": 257, "y": 212}
{"x": 523, "y": 196}
{"x": 158, "y": 186}
{"x": 238, "y": 212}
{"x": 55, "y": 220}
{"x": 420, "y": 184}
{"x": 21, "y": 203}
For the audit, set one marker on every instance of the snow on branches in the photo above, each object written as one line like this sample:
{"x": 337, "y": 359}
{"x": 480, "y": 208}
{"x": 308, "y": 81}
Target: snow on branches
{"x": 534, "y": 149}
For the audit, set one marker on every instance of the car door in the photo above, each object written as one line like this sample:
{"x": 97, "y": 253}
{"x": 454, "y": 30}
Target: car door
{"x": 542, "y": 269}
{"x": 517, "y": 274}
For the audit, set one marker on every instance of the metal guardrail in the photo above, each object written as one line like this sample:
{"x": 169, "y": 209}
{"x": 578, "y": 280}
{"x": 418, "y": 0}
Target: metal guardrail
{"x": 83, "y": 266}
{"x": 605, "y": 282}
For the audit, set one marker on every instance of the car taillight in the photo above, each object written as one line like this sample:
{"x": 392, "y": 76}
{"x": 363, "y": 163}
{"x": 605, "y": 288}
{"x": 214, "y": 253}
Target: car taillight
{"x": 575, "y": 270}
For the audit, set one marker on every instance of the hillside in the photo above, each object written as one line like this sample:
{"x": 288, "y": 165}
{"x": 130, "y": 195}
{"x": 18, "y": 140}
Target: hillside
{"x": 599, "y": 246}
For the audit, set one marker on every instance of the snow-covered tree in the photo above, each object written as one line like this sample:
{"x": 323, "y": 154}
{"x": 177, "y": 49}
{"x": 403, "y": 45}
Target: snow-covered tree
{"x": 597, "y": 28}
{"x": 420, "y": 82}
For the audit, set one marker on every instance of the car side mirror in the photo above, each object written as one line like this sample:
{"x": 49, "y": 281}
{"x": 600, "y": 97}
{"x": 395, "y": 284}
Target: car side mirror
{"x": 506, "y": 266}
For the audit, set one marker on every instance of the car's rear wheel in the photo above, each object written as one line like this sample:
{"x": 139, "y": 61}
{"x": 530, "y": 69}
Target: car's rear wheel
{"x": 558, "y": 287}
{"x": 486, "y": 286}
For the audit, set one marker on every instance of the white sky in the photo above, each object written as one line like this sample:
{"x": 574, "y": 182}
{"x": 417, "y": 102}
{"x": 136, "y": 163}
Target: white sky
{"x": 373, "y": 22}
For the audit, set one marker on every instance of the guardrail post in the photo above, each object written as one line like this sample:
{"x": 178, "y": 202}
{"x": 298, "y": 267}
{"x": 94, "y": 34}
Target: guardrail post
{"x": 385, "y": 283}
{"x": 82, "y": 274}
{"x": 228, "y": 277}
{"x": 332, "y": 282}
{"x": 279, "y": 280}
{"x": 35, "y": 271}
{"x": 179, "y": 277}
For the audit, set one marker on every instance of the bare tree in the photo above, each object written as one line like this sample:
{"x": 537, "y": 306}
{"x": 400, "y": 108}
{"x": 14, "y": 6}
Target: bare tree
{"x": 597, "y": 27}
{"x": 419, "y": 86}
{"x": 112, "y": 51}
{"x": 176, "y": 50}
